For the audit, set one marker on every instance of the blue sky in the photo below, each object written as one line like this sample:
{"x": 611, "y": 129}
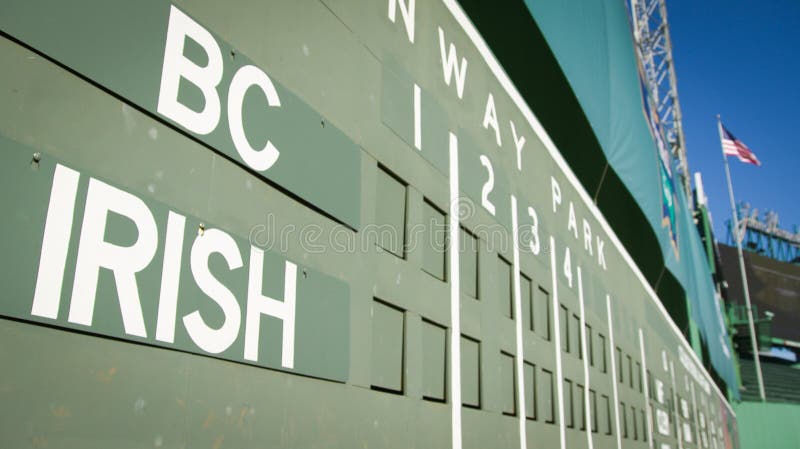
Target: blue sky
{"x": 741, "y": 59}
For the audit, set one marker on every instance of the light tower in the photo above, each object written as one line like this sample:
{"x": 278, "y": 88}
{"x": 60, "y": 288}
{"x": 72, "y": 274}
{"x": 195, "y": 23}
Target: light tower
{"x": 764, "y": 236}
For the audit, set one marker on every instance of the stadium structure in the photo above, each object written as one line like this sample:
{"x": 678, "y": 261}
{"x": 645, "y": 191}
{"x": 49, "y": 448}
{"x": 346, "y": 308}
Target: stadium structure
{"x": 773, "y": 276}
{"x": 355, "y": 223}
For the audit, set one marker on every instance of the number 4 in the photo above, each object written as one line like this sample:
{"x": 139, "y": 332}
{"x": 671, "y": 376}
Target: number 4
{"x": 568, "y": 267}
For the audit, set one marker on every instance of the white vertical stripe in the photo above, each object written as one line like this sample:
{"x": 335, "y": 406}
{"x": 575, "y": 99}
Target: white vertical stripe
{"x": 55, "y": 242}
{"x": 557, "y": 326}
{"x": 502, "y": 78}
{"x": 697, "y": 441}
{"x": 613, "y": 369}
{"x": 417, "y": 118}
{"x": 288, "y": 311}
{"x": 170, "y": 277}
{"x": 584, "y": 353}
{"x": 643, "y": 375}
{"x": 455, "y": 296}
{"x": 523, "y": 441}
{"x": 675, "y": 403}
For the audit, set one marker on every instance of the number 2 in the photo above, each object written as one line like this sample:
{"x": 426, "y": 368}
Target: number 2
{"x": 488, "y": 186}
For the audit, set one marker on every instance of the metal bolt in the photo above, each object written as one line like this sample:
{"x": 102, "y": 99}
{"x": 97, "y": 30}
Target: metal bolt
{"x": 201, "y": 229}
{"x": 37, "y": 156}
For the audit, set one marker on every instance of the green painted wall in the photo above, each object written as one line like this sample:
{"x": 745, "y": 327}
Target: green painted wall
{"x": 77, "y": 385}
{"x": 768, "y": 425}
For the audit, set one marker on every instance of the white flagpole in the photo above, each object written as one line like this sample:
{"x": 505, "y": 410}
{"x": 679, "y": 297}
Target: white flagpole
{"x": 737, "y": 235}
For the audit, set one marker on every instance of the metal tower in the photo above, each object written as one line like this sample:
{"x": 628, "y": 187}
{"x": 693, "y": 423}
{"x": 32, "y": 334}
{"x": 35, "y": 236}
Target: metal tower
{"x": 654, "y": 49}
{"x": 763, "y": 236}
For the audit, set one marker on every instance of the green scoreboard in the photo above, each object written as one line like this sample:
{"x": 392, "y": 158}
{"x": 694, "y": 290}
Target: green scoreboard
{"x": 311, "y": 223}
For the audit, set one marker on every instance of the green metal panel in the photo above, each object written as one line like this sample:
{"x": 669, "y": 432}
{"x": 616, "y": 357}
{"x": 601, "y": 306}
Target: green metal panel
{"x": 643, "y": 425}
{"x": 563, "y": 317}
{"x": 529, "y": 370}
{"x": 604, "y": 414}
{"x": 547, "y": 397}
{"x": 575, "y": 335}
{"x": 504, "y": 278}
{"x": 434, "y": 362}
{"x": 541, "y": 313}
{"x": 141, "y": 406}
{"x": 470, "y": 372}
{"x": 593, "y": 410}
{"x": 397, "y": 112}
{"x": 478, "y": 168}
{"x": 388, "y": 342}
{"x": 623, "y": 418}
{"x": 569, "y": 404}
{"x": 629, "y": 366}
{"x": 602, "y": 350}
{"x": 526, "y": 299}
{"x": 580, "y": 414}
{"x": 390, "y": 213}
{"x": 468, "y": 263}
{"x": 638, "y": 374}
{"x": 508, "y": 384}
{"x": 433, "y": 240}
{"x": 385, "y": 355}
{"x": 320, "y": 319}
{"x": 317, "y": 162}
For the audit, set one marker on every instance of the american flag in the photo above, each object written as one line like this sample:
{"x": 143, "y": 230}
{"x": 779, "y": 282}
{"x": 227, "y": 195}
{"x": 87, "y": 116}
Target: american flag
{"x": 732, "y": 146}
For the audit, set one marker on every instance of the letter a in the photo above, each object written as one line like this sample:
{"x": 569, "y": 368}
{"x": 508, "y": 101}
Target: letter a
{"x": 490, "y": 119}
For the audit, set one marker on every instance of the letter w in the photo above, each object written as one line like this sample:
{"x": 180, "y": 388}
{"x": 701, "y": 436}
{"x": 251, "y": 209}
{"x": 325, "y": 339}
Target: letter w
{"x": 450, "y": 65}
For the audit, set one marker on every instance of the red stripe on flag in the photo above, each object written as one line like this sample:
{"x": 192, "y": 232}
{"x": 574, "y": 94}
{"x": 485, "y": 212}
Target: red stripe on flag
{"x": 731, "y": 146}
